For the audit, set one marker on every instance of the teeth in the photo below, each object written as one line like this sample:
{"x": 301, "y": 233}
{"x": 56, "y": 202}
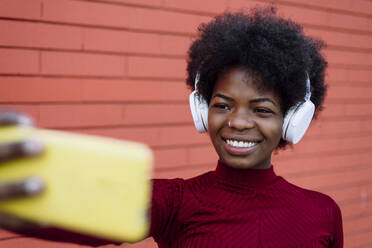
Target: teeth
{"x": 236, "y": 143}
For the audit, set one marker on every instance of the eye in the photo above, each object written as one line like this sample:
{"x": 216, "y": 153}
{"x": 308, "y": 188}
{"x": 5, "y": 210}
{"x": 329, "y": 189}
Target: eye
{"x": 264, "y": 111}
{"x": 221, "y": 106}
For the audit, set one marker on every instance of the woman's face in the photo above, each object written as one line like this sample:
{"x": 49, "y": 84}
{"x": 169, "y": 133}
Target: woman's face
{"x": 244, "y": 123}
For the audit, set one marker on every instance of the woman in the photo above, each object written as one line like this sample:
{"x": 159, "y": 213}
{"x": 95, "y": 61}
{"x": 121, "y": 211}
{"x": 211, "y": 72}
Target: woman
{"x": 251, "y": 70}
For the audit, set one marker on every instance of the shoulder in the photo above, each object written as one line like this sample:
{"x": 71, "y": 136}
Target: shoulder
{"x": 165, "y": 188}
{"x": 164, "y": 183}
{"x": 312, "y": 200}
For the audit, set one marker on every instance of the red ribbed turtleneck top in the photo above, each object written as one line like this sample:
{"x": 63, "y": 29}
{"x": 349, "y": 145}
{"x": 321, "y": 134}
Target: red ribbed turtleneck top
{"x": 232, "y": 207}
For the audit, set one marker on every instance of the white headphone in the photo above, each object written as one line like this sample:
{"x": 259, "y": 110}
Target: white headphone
{"x": 295, "y": 123}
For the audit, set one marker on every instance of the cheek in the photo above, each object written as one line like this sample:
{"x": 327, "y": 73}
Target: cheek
{"x": 278, "y": 131}
{"x": 215, "y": 123}
{"x": 273, "y": 131}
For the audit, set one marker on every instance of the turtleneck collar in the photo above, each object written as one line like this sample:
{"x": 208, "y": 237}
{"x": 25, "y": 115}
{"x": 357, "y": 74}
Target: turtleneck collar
{"x": 252, "y": 178}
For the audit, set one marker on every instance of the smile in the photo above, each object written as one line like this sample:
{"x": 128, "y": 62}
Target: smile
{"x": 240, "y": 143}
{"x": 240, "y": 147}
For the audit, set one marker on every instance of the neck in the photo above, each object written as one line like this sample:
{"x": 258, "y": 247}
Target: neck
{"x": 245, "y": 177}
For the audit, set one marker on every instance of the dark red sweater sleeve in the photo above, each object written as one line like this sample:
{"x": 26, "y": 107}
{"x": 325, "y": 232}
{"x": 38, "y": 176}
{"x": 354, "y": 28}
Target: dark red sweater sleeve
{"x": 338, "y": 241}
{"x": 166, "y": 199}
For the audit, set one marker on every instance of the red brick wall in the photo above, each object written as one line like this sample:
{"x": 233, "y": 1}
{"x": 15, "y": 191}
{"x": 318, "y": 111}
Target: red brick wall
{"x": 117, "y": 68}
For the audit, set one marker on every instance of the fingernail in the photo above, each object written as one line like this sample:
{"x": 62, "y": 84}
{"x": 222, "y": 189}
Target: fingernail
{"x": 24, "y": 120}
{"x": 33, "y": 185}
{"x": 14, "y": 118}
{"x": 32, "y": 147}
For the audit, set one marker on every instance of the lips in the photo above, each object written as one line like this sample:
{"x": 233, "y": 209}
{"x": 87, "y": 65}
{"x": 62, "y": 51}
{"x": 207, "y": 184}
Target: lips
{"x": 240, "y": 147}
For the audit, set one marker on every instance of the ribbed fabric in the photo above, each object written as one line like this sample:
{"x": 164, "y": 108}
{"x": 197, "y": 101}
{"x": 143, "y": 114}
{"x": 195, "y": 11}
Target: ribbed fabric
{"x": 242, "y": 208}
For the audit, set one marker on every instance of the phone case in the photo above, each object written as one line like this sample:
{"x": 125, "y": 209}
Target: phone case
{"x": 95, "y": 186}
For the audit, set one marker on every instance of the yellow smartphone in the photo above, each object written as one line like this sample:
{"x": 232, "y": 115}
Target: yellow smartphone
{"x": 95, "y": 186}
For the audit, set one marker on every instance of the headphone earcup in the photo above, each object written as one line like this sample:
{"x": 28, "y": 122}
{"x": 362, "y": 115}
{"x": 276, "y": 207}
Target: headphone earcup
{"x": 297, "y": 120}
{"x": 199, "y": 111}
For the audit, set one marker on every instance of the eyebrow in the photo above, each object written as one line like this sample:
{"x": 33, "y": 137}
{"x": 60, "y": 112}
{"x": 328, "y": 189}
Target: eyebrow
{"x": 224, "y": 97}
{"x": 262, "y": 99}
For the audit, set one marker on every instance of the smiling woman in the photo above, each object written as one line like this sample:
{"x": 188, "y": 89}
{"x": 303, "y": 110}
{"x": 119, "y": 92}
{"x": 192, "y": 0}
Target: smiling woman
{"x": 256, "y": 80}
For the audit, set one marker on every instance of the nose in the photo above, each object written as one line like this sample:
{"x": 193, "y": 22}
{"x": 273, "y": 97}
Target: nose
{"x": 241, "y": 121}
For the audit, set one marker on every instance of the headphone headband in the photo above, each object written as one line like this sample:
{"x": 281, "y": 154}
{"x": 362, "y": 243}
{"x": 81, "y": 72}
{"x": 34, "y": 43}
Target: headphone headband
{"x": 308, "y": 91}
{"x": 197, "y": 78}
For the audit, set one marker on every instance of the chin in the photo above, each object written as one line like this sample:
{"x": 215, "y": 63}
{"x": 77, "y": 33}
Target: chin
{"x": 240, "y": 163}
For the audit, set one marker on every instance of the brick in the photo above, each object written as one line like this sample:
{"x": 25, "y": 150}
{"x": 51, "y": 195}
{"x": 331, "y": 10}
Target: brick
{"x": 243, "y": 4}
{"x": 166, "y": 136}
{"x": 348, "y": 75}
{"x": 184, "y": 156}
{"x": 341, "y": 127}
{"x": 358, "y": 239}
{"x": 56, "y": 116}
{"x": 134, "y": 90}
{"x": 29, "y": 10}
{"x": 349, "y": 92}
{"x": 184, "y": 172}
{"x": 169, "y": 158}
{"x": 149, "y": 3}
{"x": 363, "y": 7}
{"x": 120, "y": 41}
{"x": 360, "y": 194}
{"x": 165, "y": 20}
{"x": 156, "y": 67}
{"x": 359, "y": 23}
{"x": 304, "y": 16}
{"x": 360, "y": 75}
{"x": 82, "y": 64}
{"x": 209, "y": 6}
{"x": 347, "y": 110}
{"x": 337, "y": 74}
{"x": 31, "y": 89}
{"x": 174, "y": 45}
{"x": 92, "y": 115}
{"x": 357, "y": 223}
{"x": 80, "y": 115}
{"x": 120, "y": 16}
{"x": 334, "y": 38}
{"x": 328, "y": 145}
{"x": 134, "y": 42}
{"x": 310, "y": 16}
{"x": 352, "y": 192}
{"x": 289, "y": 168}
{"x": 348, "y": 58}
{"x": 34, "y": 89}
{"x": 39, "y": 35}
{"x": 157, "y": 113}
{"x": 202, "y": 155}
{"x": 19, "y": 61}
{"x": 193, "y": 5}
{"x": 358, "y": 207}
{"x": 329, "y": 179}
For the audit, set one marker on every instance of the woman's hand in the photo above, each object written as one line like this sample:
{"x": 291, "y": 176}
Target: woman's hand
{"x": 23, "y": 188}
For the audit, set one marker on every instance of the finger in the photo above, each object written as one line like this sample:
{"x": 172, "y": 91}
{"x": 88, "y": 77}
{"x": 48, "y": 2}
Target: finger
{"x": 8, "y": 117}
{"x": 27, "y": 187}
{"x": 13, "y": 223}
{"x": 28, "y": 148}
